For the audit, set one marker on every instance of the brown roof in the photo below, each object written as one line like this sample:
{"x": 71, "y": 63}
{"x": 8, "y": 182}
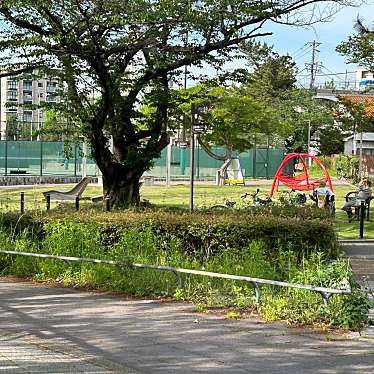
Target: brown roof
{"x": 366, "y": 99}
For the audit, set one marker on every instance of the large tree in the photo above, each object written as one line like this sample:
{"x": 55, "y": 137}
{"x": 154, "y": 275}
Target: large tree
{"x": 232, "y": 121}
{"x": 124, "y": 51}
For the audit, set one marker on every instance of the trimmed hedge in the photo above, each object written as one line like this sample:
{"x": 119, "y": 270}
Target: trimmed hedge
{"x": 200, "y": 235}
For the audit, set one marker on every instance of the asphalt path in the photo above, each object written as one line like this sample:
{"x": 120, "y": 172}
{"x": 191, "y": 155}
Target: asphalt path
{"x": 58, "y": 330}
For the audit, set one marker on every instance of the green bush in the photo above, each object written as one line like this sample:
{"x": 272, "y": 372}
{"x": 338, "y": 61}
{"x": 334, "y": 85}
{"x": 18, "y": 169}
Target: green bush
{"x": 347, "y": 167}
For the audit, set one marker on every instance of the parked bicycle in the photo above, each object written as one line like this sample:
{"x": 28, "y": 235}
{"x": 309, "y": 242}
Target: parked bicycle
{"x": 256, "y": 199}
{"x": 255, "y": 202}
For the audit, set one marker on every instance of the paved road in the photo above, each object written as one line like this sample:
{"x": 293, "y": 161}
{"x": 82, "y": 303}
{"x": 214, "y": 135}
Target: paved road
{"x": 55, "y": 330}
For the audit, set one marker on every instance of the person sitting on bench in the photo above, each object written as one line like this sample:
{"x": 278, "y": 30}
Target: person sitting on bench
{"x": 322, "y": 195}
{"x": 363, "y": 193}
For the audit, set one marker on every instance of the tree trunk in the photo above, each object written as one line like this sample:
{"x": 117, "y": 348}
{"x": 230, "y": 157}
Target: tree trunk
{"x": 122, "y": 190}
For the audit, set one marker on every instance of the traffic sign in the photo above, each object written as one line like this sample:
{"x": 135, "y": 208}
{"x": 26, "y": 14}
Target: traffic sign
{"x": 199, "y": 128}
{"x": 181, "y": 144}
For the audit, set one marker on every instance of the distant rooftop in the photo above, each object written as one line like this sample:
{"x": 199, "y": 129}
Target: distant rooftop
{"x": 366, "y": 136}
{"x": 365, "y": 99}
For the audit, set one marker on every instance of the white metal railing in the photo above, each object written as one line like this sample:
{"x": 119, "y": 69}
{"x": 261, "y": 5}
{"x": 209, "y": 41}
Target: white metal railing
{"x": 326, "y": 293}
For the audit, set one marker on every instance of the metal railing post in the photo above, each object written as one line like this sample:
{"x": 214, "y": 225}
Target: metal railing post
{"x": 77, "y": 203}
{"x": 48, "y": 202}
{"x": 22, "y": 203}
{"x": 41, "y": 157}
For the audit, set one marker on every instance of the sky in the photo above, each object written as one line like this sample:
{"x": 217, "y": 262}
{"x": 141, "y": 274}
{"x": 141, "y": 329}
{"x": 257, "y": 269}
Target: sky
{"x": 293, "y": 41}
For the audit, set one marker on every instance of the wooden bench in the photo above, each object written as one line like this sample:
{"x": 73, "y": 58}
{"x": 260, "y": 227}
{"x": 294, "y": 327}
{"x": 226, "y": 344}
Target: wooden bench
{"x": 17, "y": 171}
{"x": 72, "y": 194}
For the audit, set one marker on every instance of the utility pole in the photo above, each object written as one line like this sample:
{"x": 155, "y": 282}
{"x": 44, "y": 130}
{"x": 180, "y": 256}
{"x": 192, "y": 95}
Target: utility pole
{"x": 313, "y": 65}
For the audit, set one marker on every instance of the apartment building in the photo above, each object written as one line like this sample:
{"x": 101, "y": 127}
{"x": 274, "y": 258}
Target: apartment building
{"x": 364, "y": 79}
{"x": 20, "y": 116}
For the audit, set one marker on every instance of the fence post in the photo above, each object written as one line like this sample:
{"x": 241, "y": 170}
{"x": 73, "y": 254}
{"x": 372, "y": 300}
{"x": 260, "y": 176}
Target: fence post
{"x": 77, "y": 203}
{"x": 41, "y": 156}
{"x": 22, "y": 202}
{"x": 362, "y": 218}
{"x": 48, "y": 201}
{"x": 107, "y": 205}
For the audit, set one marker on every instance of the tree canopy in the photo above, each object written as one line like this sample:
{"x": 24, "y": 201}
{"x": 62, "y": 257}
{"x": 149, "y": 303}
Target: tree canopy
{"x": 273, "y": 83}
{"x": 123, "y": 52}
{"x": 359, "y": 48}
{"x": 233, "y": 120}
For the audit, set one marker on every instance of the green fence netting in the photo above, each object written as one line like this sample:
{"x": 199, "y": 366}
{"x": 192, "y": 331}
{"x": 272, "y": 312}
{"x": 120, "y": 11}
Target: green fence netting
{"x": 60, "y": 158}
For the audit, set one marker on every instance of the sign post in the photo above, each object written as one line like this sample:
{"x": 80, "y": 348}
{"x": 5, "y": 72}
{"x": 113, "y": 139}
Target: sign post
{"x": 197, "y": 127}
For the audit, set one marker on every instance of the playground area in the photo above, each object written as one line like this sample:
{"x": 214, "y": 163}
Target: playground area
{"x": 296, "y": 178}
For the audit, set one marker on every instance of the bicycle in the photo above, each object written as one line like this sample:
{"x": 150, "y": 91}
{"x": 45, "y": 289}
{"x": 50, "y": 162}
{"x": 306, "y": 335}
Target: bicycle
{"x": 231, "y": 205}
{"x": 256, "y": 200}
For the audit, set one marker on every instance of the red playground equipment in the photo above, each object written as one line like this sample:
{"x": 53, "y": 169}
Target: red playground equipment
{"x": 301, "y": 181}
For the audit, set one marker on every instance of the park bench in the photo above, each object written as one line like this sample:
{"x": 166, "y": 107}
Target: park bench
{"x": 72, "y": 194}
{"x": 17, "y": 171}
{"x": 352, "y": 195}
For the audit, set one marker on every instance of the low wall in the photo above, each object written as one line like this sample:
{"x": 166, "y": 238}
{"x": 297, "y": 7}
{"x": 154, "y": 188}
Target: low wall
{"x": 21, "y": 180}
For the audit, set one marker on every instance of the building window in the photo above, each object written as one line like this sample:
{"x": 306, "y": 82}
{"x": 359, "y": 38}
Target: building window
{"x": 27, "y": 98}
{"x": 12, "y": 85}
{"x": 27, "y": 116}
{"x": 51, "y": 98}
{"x": 40, "y": 84}
{"x": 27, "y": 85}
{"x": 12, "y": 96}
{"x": 365, "y": 74}
{"x": 51, "y": 86}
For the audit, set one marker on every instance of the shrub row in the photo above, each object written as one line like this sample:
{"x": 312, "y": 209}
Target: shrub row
{"x": 200, "y": 235}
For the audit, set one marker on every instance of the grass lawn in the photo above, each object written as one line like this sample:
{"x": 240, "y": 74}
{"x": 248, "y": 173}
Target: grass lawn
{"x": 178, "y": 196}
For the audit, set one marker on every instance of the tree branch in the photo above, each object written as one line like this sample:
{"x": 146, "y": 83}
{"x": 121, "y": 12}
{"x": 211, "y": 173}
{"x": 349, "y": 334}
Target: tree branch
{"x": 19, "y": 71}
{"x": 5, "y": 11}
{"x": 207, "y": 149}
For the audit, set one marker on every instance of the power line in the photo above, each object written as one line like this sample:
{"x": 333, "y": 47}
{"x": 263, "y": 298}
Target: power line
{"x": 299, "y": 49}
{"x": 300, "y": 54}
{"x": 332, "y": 73}
{"x": 324, "y": 75}
{"x": 301, "y": 72}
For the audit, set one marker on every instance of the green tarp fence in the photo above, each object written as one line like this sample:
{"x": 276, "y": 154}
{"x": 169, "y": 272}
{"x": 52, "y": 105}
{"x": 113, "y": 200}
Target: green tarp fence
{"x": 259, "y": 162}
{"x": 49, "y": 158}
